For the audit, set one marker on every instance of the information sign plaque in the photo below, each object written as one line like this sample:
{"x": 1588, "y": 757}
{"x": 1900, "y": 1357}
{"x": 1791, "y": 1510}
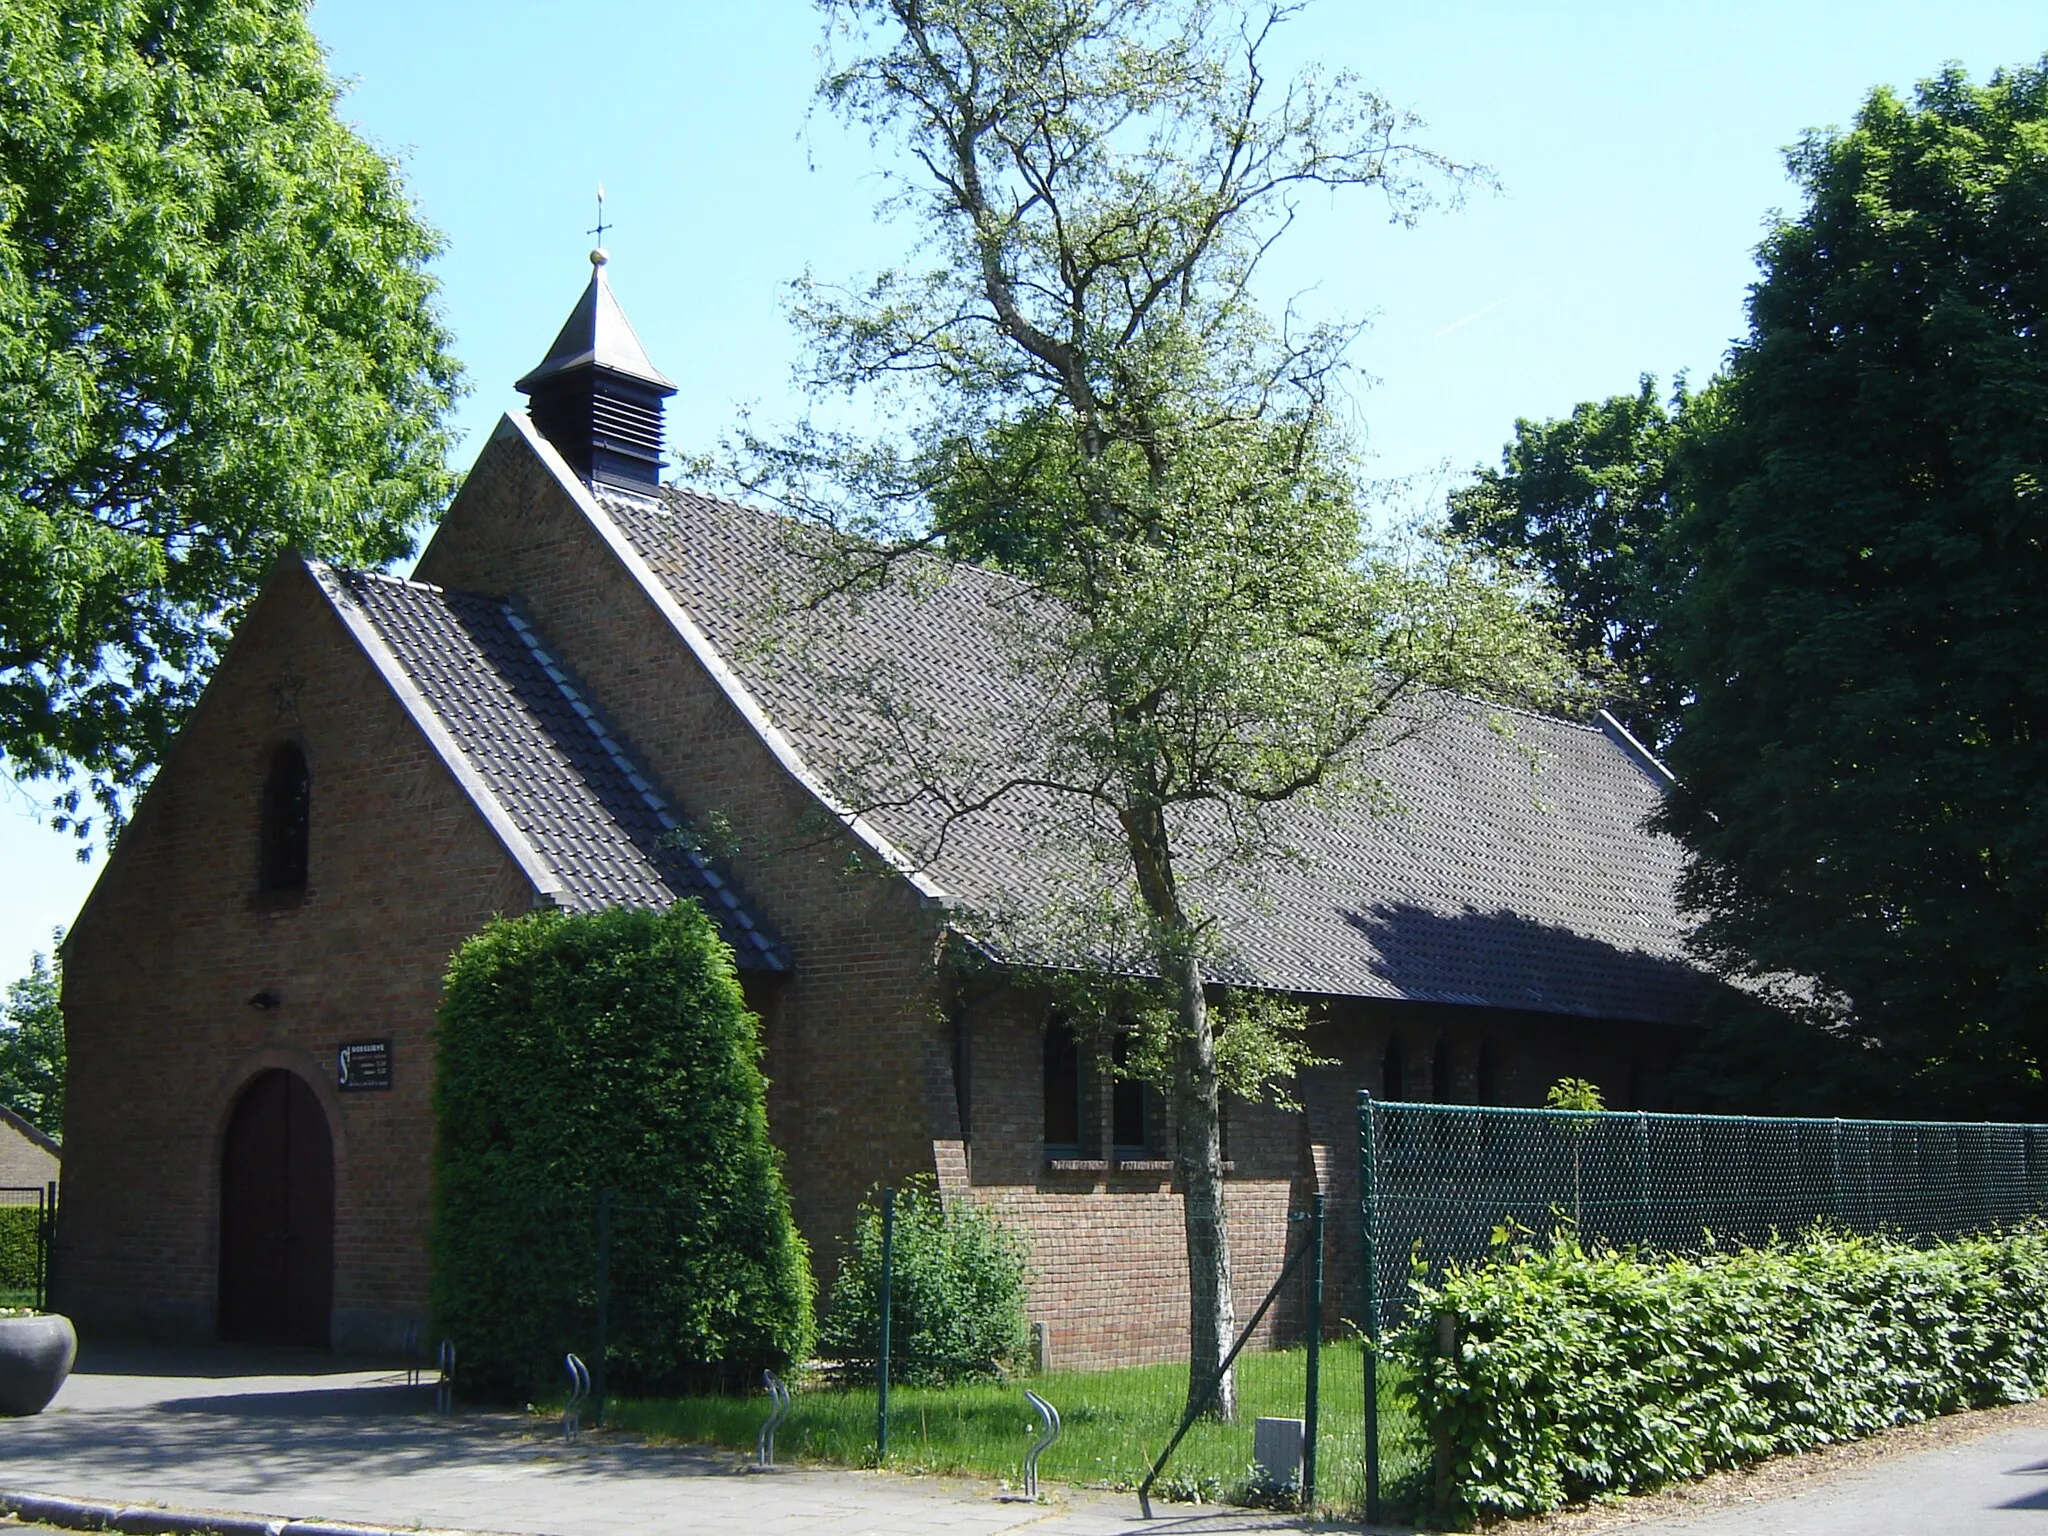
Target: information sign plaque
{"x": 363, "y": 1064}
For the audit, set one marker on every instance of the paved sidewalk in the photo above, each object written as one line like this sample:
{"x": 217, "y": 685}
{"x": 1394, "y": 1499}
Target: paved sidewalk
{"x": 1994, "y": 1486}
{"x": 307, "y": 1436}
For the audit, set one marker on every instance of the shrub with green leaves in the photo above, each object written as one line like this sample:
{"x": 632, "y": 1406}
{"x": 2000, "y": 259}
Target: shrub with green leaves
{"x": 611, "y": 1051}
{"x": 20, "y": 1246}
{"x": 1576, "y": 1372}
{"x": 956, "y": 1295}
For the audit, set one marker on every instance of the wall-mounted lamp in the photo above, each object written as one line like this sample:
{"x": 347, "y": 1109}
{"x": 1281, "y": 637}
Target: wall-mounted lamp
{"x": 266, "y": 999}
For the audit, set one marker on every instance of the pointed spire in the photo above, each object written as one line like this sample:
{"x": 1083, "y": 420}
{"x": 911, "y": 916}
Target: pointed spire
{"x": 596, "y": 396}
{"x": 597, "y": 334}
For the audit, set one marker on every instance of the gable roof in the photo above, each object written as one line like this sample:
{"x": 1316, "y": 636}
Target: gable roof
{"x": 30, "y": 1132}
{"x": 1513, "y": 870}
{"x": 545, "y": 767}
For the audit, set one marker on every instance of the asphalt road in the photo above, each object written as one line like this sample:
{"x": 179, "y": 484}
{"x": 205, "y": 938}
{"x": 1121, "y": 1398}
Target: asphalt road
{"x": 1993, "y": 1486}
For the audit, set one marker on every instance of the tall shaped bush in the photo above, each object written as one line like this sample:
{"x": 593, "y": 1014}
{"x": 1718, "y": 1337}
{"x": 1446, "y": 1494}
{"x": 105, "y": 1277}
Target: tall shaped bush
{"x": 608, "y": 1052}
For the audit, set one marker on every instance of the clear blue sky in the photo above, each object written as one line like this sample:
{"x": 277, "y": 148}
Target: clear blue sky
{"x": 1638, "y": 147}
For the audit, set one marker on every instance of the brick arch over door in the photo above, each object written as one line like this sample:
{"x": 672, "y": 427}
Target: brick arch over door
{"x": 276, "y": 1275}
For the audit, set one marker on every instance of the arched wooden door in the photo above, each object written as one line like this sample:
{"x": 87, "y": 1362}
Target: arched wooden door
{"x": 277, "y": 1215}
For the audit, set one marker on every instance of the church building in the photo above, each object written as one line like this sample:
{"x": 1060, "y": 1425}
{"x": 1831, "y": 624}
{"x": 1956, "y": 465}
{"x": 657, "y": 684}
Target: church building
{"x": 599, "y": 690}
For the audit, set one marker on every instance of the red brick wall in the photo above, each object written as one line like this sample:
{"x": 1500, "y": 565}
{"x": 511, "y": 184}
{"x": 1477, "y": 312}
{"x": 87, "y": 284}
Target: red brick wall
{"x": 1108, "y": 1258}
{"x": 857, "y": 1054}
{"x": 1109, "y": 1270}
{"x": 174, "y": 942}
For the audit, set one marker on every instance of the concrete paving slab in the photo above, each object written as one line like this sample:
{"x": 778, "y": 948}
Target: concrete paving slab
{"x": 311, "y": 1437}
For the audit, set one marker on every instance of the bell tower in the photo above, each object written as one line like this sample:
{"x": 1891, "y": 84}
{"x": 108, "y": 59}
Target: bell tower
{"x": 596, "y": 396}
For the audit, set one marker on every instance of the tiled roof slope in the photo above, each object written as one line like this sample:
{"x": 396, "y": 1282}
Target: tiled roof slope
{"x": 1513, "y": 868}
{"x": 526, "y": 729}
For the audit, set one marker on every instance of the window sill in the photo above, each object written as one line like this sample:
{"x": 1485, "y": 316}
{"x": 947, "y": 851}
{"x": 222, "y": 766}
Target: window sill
{"x": 1121, "y": 1165}
{"x": 277, "y": 901}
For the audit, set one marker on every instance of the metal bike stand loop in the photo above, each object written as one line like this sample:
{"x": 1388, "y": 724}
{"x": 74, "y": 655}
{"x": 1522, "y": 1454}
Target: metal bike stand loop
{"x": 1050, "y": 1417}
{"x": 779, "y": 1396}
{"x": 579, "y": 1389}
{"x": 444, "y": 1389}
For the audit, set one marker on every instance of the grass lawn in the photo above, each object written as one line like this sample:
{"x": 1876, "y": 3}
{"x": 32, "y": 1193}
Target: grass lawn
{"x": 1114, "y": 1424}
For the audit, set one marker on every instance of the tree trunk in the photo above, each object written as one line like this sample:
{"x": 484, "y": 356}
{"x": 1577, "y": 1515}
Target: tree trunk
{"x": 1198, "y": 1155}
{"x": 1212, "y": 1315}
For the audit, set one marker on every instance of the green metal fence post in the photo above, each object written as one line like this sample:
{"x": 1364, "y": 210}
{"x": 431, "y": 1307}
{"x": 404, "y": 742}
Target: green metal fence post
{"x": 1315, "y": 1352}
{"x": 1835, "y": 1172}
{"x": 1642, "y": 1180}
{"x": 882, "y": 1354}
{"x": 604, "y": 1296}
{"x": 1368, "y": 1222}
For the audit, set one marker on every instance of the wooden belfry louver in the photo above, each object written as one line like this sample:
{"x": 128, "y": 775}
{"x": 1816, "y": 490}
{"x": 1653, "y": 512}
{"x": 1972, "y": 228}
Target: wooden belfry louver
{"x": 596, "y": 396}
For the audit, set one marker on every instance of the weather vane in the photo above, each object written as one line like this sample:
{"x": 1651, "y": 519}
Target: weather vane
{"x": 601, "y": 225}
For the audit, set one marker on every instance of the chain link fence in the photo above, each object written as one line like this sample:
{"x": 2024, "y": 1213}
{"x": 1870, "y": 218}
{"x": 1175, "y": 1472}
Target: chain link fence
{"x": 1444, "y": 1182}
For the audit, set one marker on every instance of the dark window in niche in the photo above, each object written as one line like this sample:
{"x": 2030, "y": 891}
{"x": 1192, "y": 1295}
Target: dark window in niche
{"x": 1443, "y": 1086}
{"x": 1128, "y": 1130}
{"x": 287, "y": 820}
{"x": 963, "y": 1070}
{"x": 1062, "y": 1090}
{"x": 1393, "y": 1071}
{"x": 1488, "y": 1093}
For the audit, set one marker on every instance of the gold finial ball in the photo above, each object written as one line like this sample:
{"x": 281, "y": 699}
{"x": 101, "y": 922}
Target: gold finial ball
{"x": 600, "y": 256}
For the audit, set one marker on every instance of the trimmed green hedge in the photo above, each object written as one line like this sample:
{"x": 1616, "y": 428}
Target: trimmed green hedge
{"x": 1576, "y": 1372}
{"x": 18, "y": 1246}
{"x": 956, "y": 1291}
{"x": 609, "y": 1051}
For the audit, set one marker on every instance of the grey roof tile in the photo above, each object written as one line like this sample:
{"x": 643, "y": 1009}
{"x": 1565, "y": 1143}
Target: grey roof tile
{"x": 1514, "y": 868}
{"x": 527, "y": 728}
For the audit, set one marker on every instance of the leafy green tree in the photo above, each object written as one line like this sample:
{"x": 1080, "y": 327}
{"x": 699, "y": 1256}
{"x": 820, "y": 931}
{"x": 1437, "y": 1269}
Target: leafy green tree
{"x": 1090, "y": 396}
{"x": 217, "y": 340}
{"x": 32, "y": 1043}
{"x": 1860, "y": 769}
{"x": 1587, "y": 498}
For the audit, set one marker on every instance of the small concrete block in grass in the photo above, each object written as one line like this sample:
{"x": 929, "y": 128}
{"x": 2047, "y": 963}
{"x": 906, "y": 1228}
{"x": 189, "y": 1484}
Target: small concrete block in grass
{"x": 1276, "y": 1452}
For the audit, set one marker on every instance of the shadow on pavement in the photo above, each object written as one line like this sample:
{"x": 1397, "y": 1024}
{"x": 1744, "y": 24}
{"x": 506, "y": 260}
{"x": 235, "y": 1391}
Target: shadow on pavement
{"x": 314, "y": 1403}
{"x": 2038, "y": 1499}
{"x": 100, "y": 1356}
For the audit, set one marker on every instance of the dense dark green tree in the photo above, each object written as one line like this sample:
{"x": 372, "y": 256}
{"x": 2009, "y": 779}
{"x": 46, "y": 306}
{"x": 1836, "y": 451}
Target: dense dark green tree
{"x": 1587, "y": 499}
{"x": 1860, "y": 769}
{"x": 32, "y": 1045}
{"x": 217, "y": 339}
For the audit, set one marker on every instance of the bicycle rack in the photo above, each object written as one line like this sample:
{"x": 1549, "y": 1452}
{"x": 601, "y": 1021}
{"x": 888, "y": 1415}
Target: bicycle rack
{"x": 779, "y": 1395}
{"x": 444, "y": 1389}
{"x": 1050, "y": 1417}
{"x": 579, "y": 1389}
